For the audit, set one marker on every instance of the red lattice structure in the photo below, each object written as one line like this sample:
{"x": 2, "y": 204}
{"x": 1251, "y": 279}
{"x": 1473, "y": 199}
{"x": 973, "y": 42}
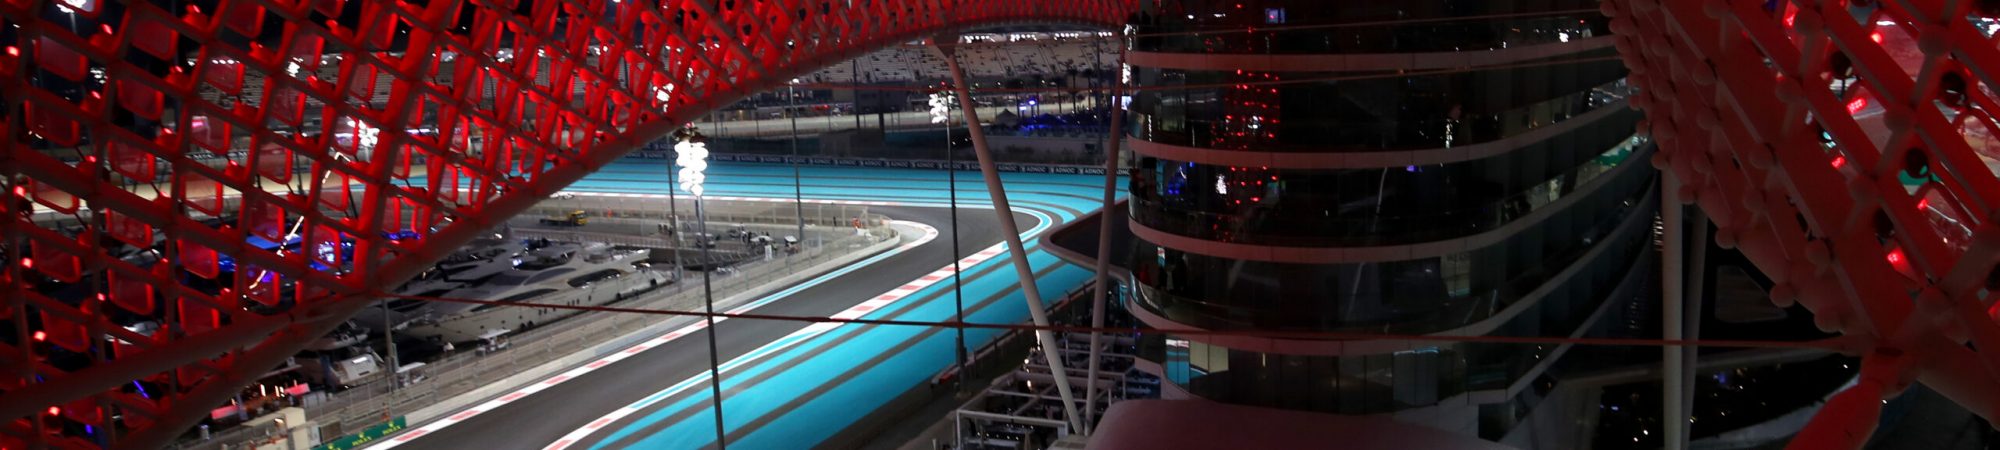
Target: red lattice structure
{"x": 1846, "y": 147}
{"x": 151, "y": 146}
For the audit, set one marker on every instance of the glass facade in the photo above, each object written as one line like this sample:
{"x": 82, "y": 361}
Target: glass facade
{"x": 1415, "y": 296}
{"x": 1570, "y": 191}
{"x": 1389, "y": 382}
{"x": 1335, "y": 112}
{"x": 1376, "y": 206}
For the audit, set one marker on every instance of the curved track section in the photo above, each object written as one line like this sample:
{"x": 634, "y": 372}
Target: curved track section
{"x": 304, "y": 118}
{"x": 818, "y": 378}
{"x": 1847, "y": 147}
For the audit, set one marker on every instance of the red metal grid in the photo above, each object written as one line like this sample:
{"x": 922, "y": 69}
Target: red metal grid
{"x": 1844, "y": 147}
{"x": 335, "y": 122}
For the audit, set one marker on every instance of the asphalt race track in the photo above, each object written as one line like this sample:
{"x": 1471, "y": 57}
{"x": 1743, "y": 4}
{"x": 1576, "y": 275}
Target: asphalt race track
{"x": 785, "y": 384}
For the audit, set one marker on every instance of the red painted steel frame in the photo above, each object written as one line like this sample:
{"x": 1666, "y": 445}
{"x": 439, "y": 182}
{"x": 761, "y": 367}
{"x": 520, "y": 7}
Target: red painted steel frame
{"x": 254, "y": 110}
{"x": 1840, "y": 144}
{"x": 1843, "y": 146}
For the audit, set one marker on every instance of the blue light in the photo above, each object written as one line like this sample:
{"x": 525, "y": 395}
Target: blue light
{"x": 142, "y": 390}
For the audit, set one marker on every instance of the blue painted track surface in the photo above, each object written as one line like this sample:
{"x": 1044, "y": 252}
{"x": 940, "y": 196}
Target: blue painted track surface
{"x": 785, "y": 385}
{"x": 816, "y": 363}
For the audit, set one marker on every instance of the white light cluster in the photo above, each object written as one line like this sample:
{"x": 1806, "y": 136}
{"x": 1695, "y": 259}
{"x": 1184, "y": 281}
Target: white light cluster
{"x": 693, "y": 159}
{"x": 364, "y": 135}
{"x": 663, "y": 94}
{"x": 940, "y": 107}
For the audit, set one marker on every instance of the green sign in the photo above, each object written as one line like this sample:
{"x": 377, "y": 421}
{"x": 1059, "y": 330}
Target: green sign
{"x": 366, "y": 435}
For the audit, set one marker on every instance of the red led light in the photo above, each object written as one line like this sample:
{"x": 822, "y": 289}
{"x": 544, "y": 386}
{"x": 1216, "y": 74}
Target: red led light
{"x": 27, "y": 263}
{"x": 41, "y": 336}
{"x": 1839, "y": 161}
{"x": 1895, "y": 256}
{"x": 1856, "y": 105}
{"x": 1924, "y": 204}
{"x": 1876, "y": 36}
{"x": 13, "y": 51}
{"x": 55, "y": 410}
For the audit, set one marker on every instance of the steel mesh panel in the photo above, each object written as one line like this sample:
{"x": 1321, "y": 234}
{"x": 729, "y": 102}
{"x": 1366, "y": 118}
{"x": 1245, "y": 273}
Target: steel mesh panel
{"x": 1843, "y": 146}
{"x": 245, "y": 172}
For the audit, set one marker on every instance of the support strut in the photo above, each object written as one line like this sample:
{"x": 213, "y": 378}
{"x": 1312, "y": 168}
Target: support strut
{"x": 1015, "y": 250}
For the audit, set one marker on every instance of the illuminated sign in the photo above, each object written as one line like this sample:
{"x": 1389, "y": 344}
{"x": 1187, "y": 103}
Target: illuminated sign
{"x": 366, "y": 435}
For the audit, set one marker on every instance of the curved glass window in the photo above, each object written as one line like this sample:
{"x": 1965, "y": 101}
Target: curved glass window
{"x": 1240, "y": 110}
{"x": 1377, "y": 383}
{"x": 1416, "y": 296}
{"x": 1231, "y": 32}
{"x": 1386, "y": 206}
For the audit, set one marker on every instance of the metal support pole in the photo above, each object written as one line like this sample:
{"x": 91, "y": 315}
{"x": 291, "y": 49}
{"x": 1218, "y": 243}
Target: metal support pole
{"x": 854, "y": 104}
{"x": 1103, "y": 257}
{"x": 798, "y": 189}
{"x": 1029, "y": 291}
{"x": 389, "y": 339}
{"x": 957, "y": 281}
{"x": 1692, "y": 307}
{"x": 708, "y": 306}
{"x": 1673, "y": 417}
{"x": 674, "y": 224}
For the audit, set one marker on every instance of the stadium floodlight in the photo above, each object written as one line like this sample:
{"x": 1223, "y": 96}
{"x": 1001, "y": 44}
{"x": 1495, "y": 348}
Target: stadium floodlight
{"x": 940, "y": 107}
{"x": 693, "y": 159}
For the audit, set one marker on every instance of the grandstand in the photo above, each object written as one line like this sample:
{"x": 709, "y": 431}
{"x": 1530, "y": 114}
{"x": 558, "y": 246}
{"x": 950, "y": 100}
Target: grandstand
{"x": 982, "y": 59}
